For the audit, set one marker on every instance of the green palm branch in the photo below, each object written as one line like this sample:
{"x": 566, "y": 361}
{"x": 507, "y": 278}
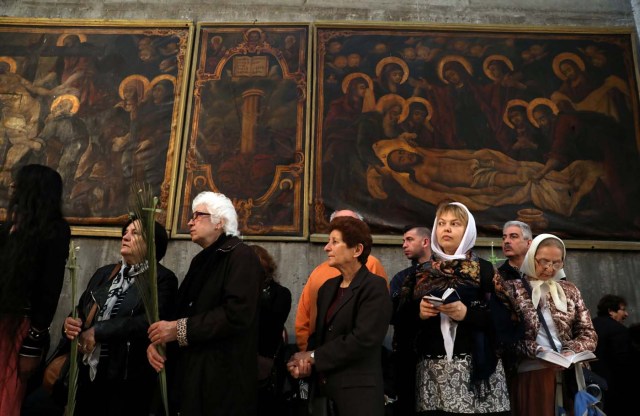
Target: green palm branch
{"x": 72, "y": 265}
{"x": 144, "y": 207}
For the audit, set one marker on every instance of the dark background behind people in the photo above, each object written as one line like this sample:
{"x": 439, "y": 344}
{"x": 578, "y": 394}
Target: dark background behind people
{"x": 274, "y": 308}
{"x": 618, "y": 360}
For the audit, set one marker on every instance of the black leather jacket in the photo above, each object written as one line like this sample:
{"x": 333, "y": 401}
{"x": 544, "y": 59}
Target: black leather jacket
{"x": 126, "y": 333}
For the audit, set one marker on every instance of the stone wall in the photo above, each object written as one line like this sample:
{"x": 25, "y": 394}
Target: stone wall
{"x": 596, "y": 272}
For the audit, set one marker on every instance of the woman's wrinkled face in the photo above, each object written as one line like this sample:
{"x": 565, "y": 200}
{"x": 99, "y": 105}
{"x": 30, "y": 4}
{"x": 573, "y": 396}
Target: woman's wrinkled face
{"x": 337, "y": 251}
{"x": 133, "y": 247}
{"x": 449, "y": 232}
{"x": 547, "y": 259}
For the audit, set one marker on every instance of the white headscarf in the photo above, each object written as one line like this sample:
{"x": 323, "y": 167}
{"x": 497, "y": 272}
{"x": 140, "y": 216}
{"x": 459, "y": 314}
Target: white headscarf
{"x": 529, "y": 268}
{"x": 468, "y": 239}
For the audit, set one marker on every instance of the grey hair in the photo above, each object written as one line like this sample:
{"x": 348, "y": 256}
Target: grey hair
{"x": 221, "y": 209}
{"x": 526, "y": 230}
{"x": 358, "y": 215}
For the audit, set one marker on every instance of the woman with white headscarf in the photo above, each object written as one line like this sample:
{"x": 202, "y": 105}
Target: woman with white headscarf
{"x": 565, "y": 314}
{"x": 458, "y": 370}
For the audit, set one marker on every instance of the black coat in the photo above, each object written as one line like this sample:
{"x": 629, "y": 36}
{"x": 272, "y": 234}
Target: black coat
{"x": 216, "y": 373}
{"x": 348, "y": 345}
{"x": 618, "y": 363}
{"x": 126, "y": 333}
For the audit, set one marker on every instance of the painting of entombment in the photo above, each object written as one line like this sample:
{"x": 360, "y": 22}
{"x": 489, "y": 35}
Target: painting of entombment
{"x": 540, "y": 127}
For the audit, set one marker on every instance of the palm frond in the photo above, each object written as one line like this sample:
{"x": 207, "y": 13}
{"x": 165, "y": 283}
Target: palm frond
{"x": 72, "y": 265}
{"x": 144, "y": 207}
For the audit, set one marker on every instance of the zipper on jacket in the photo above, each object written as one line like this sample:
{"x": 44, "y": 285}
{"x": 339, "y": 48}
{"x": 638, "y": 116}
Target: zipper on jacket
{"x": 126, "y": 362}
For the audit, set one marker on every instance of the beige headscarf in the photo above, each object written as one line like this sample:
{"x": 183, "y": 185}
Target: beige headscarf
{"x": 529, "y": 268}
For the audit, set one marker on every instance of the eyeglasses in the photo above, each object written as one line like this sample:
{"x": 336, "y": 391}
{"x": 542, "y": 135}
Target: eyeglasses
{"x": 555, "y": 265}
{"x": 197, "y": 214}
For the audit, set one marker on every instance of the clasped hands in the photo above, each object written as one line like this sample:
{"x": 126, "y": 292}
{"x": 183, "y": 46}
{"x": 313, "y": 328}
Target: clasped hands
{"x": 455, "y": 310}
{"x": 300, "y": 364}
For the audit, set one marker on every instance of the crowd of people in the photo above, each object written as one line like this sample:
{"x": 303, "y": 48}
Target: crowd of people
{"x": 468, "y": 338}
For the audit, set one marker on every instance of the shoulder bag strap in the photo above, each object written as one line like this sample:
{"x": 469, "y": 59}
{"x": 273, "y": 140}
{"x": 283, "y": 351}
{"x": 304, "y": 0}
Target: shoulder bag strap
{"x": 94, "y": 308}
{"x": 527, "y": 286}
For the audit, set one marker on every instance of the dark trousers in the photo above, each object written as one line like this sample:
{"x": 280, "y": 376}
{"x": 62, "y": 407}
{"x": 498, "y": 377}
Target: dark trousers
{"x": 104, "y": 397}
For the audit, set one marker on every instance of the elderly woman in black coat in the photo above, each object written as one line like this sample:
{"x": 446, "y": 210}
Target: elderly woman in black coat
{"x": 354, "y": 310}
{"x": 115, "y": 378}
{"x": 216, "y": 349}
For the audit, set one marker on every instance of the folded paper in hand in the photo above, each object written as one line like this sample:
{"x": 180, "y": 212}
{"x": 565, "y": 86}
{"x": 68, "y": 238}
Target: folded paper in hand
{"x": 449, "y": 295}
{"x": 565, "y": 360}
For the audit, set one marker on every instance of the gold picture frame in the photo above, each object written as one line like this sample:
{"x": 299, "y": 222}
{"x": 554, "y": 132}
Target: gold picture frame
{"x": 443, "y": 98}
{"x": 247, "y": 134}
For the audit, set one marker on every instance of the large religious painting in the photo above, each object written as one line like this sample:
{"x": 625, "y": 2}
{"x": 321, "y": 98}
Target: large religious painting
{"x": 536, "y": 126}
{"x": 101, "y": 103}
{"x": 247, "y": 132}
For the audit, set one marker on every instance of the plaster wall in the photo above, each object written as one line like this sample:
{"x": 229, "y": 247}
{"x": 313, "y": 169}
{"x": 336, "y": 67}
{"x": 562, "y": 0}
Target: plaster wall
{"x": 595, "y": 272}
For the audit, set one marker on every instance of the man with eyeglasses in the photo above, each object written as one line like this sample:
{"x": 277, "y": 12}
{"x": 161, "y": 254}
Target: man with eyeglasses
{"x": 217, "y": 329}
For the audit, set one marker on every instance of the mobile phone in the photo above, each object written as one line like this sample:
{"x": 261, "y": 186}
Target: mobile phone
{"x": 435, "y": 301}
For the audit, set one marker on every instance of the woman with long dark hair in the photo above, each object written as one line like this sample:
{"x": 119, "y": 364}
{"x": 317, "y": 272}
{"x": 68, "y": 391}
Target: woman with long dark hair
{"x": 34, "y": 242}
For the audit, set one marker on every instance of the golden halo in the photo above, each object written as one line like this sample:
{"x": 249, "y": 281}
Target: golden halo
{"x": 12, "y": 63}
{"x": 510, "y": 104}
{"x": 245, "y": 35}
{"x": 133, "y": 78}
{"x": 389, "y": 99}
{"x": 536, "y": 103}
{"x": 407, "y": 104}
{"x": 61, "y": 38}
{"x": 158, "y": 79}
{"x": 491, "y": 58}
{"x": 353, "y": 75}
{"x": 566, "y": 56}
{"x": 393, "y": 60}
{"x": 66, "y": 97}
{"x": 453, "y": 58}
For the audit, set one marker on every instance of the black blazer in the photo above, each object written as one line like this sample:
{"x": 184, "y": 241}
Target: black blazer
{"x": 348, "y": 352}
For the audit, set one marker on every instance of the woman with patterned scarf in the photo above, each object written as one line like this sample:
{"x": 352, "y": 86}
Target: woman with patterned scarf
{"x": 115, "y": 378}
{"x": 458, "y": 370}
{"x": 568, "y": 320}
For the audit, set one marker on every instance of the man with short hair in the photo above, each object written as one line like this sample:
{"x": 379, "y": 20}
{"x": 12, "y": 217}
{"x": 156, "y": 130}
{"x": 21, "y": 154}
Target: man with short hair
{"x": 416, "y": 246}
{"x": 516, "y": 239}
{"x": 305, "y": 323}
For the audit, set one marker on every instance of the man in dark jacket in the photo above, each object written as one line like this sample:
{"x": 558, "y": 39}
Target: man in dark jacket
{"x": 215, "y": 356}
